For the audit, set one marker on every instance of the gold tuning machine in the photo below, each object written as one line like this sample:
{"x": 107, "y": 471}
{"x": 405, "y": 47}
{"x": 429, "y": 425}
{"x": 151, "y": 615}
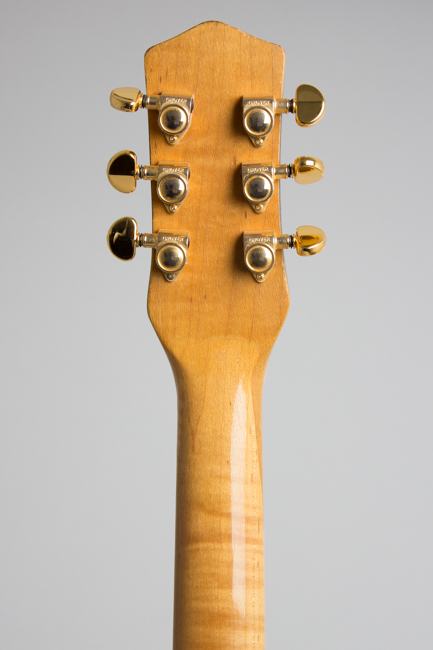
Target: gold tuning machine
{"x": 171, "y": 179}
{"x": 171, "y": 247}
{"x": 258, "y": 178}
{"x": 175, "y": 111}
{"x": 259, "y": 248}
{"x": 259, "y": 113}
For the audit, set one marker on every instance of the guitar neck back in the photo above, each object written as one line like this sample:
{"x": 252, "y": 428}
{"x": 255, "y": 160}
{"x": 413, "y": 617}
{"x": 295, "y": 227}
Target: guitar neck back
{"x": 217, "y": 326}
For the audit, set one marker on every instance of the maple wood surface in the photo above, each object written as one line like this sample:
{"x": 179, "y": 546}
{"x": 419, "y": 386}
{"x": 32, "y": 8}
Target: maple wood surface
{"x": 218, "y": 326}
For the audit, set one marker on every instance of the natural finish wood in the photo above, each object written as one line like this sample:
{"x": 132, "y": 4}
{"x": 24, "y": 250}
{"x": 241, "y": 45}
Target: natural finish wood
{"x": 218, "y": 327}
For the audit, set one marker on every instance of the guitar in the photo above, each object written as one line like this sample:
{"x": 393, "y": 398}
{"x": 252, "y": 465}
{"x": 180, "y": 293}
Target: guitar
{"x": 218, "y": 297}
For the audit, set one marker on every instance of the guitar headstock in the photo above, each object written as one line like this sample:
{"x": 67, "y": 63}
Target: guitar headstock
{"x": 217, "y": 125}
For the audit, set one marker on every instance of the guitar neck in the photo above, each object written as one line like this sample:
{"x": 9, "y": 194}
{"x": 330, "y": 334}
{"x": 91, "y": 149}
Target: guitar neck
{"x": 219, "y": 598}
{"x": 218, "y": 337}
{"x": 215, "y": 205}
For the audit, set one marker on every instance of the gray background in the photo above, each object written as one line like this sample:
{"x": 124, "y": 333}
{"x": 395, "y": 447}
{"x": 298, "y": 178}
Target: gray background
{"x": 87, "y": 396}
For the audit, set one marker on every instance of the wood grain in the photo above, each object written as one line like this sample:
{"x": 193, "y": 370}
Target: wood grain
{"x": 218, "y": 327}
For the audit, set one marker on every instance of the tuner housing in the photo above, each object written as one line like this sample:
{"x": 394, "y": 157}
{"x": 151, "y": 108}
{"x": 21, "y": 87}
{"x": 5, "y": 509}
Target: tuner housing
{"x": 171, "y": 254}
{"x": 258, "y": 182}
{"x": 259, "y": 253}
{"x": 174, "y": 114}
{"x": 171, "y": 183}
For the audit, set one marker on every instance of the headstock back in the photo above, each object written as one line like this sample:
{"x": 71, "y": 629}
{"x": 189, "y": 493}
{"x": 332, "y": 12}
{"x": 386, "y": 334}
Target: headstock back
{"x": 215, "y": 297}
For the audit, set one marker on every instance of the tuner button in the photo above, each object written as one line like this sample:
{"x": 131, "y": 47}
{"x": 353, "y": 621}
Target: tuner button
{"x": 307, "y": 169}
{"x": 122, "y": 238}
{"x": 309, "y": 105}
{"x": 123, "y": 171}
{"x": 126, "y": 99}
{"x": 309, "y": 240}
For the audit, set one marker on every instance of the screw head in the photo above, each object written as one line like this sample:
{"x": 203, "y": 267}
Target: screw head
{"x": 259, "y": 142}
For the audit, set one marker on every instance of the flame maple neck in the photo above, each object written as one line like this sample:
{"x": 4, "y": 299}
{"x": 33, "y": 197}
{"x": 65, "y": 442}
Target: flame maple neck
{"x": 218, "y": 327}
{"x": 219, "y": 597}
